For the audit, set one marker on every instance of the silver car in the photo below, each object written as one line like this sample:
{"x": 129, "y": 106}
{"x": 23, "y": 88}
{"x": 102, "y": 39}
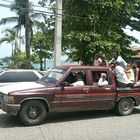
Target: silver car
{"x": 11, "y": 76}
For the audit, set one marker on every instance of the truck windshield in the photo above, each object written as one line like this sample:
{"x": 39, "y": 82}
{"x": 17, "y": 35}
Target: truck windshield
{"x": 52, "y": 76}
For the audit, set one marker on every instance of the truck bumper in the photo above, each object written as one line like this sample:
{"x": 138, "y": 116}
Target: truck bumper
{"x": 11, "y": 109}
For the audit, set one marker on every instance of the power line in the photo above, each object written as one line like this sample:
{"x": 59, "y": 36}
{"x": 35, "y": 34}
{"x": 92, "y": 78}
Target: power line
{"x": 47, "y": 6}
{"x": 42, "y": 11}
{"x": 35, "y": 5}
{"x": 6, "y": 0}
{"x": 8, "y": 6}
{"x": 55, "y": 14}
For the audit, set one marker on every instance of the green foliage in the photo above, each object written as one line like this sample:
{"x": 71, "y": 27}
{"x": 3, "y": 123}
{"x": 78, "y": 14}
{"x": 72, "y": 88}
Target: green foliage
{"x": 10, "y": 36}
{"x": 18, "y": 59}
{"x": 93, "y": 26}
{"x": 6, "y": 62}
{"x": 41, "y": 47}
{"x": 89, "y": 27}
{"x": 24, "y": 17}
{"x": 25, "y": 64}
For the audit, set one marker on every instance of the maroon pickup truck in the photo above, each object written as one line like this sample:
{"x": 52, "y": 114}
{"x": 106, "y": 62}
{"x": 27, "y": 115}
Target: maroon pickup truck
{"x": 54, "y": 93}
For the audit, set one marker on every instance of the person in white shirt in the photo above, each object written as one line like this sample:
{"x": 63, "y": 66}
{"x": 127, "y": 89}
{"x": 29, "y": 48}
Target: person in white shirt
{"x": 121, "y": 75}
{"x": 102, "y": 81}
{"x": 118, "y": 58}
{"x": 79, "y": 81}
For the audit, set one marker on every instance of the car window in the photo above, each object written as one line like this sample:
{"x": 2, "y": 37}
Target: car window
{"x": 18, "y": 76}
{"x": 27, "y": 76}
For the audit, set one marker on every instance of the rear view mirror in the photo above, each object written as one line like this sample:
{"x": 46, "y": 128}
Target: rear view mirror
{"x": 63, "y": 85}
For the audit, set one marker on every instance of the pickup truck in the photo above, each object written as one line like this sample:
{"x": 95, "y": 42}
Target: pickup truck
{"x": 53, "y": 93}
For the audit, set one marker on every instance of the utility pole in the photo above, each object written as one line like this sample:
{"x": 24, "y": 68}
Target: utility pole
{"x": 58, "y": 33}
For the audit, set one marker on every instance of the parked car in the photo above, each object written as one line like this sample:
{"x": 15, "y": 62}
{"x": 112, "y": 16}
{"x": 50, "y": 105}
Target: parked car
{"x": 11, "y": 76}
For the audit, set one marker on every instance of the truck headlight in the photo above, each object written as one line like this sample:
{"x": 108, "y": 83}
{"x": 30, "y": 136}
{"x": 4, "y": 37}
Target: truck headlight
{"x": 8, "y": 99}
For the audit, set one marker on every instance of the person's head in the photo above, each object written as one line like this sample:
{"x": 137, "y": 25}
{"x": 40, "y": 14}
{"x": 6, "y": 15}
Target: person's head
{"x": 79, "y": 75}
{"x": 115, "y": 55}
{"x": 103, "y": 56}
{"x": 103, "y": 75}
{"x": 129, "y": 66}
{"x": 135, "y": 65}
{"x": 97, "y": 56}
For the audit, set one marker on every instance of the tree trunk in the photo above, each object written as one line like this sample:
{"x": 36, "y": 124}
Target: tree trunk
{"x": 27, "y": 32}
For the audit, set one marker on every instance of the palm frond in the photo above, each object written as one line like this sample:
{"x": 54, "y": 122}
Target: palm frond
{"x": 40, "y": 25}
{"x": 5, "y": 39}
{"x": 10, "y": 31}
{"x": 8, "y": 20}
{"x": 17, "y": 27}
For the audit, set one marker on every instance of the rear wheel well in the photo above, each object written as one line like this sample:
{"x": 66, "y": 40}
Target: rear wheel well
{"x": 134, "y": 99}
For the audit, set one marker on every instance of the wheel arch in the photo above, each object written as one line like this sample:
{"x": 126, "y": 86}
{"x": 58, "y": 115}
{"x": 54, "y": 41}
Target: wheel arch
{"x": 133, "y": 98}
{"x": 44, "y": 101}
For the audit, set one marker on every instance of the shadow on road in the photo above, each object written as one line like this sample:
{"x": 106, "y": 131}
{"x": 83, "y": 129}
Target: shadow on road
{"x": 83, "y": 115}
{"x": 7, "y": 121}
{"x": 74, "y": 116}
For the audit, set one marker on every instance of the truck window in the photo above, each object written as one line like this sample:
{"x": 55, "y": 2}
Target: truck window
{"x": 71, "y": 78}
{"x": 96, "y": 76}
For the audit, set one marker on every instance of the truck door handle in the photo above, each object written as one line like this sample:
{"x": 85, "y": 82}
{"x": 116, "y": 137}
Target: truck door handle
{"x": 107, "y": 88}
{"x": 86, "y": 90}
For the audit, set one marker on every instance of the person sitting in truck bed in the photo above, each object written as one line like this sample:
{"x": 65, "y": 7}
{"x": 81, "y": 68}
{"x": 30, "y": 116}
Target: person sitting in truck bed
{"x": 102, "y": 81}
{"x": 122, "y": 79}
{"x": 118, "y": 58}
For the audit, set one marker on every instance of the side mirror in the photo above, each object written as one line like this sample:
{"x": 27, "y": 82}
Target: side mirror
{"x": 62, "y": 88}
{"x": 63, "y": 85}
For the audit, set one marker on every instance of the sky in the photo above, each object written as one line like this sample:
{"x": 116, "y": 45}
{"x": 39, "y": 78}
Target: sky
{"x": 6, "y": 49}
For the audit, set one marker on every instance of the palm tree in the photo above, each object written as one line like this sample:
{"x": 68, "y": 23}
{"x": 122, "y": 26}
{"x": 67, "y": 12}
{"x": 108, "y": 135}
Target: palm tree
{"x": 11, "y": 37}
{"x": 24, "y": 18}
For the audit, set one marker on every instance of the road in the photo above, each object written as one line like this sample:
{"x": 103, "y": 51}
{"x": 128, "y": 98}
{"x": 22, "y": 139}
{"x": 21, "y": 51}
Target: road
{"x": 90, "y": 125}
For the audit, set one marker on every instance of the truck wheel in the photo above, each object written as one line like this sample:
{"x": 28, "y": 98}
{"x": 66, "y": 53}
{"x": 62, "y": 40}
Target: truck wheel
{"x": 32, "y": 112}
{"x": 125, "y": 106}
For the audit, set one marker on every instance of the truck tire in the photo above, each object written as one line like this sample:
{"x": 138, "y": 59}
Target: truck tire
{"x": 125, "y": 106}
{"x": 32, "y": 112}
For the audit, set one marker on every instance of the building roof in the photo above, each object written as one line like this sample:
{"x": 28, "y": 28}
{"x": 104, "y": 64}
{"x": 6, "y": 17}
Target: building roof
{"x": 137, "y": 50}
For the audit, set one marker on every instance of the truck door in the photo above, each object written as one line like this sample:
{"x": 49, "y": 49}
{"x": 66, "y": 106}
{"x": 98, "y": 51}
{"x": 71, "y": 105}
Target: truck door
{"x": 74, "y": 97}
{"x": 102, "y": 97}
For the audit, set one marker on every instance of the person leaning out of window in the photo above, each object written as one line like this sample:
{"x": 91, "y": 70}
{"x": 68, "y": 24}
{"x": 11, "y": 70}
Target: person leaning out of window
{"x": 102, "y": 81}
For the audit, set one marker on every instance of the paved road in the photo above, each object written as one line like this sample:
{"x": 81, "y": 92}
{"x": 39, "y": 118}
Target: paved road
{"x": 91, "y": 125}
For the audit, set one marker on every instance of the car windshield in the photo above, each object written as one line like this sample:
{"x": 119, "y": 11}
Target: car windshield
{"x": 52, "y": 76}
